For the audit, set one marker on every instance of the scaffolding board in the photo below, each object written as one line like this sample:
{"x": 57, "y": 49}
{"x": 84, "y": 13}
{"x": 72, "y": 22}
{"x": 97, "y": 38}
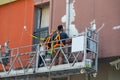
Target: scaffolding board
{"x": 79, "y": 56}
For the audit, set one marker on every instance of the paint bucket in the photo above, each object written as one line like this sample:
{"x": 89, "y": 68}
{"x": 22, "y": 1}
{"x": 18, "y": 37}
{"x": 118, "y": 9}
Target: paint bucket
{"x": 48, "y": 58}
{"x": 88, "y": 63}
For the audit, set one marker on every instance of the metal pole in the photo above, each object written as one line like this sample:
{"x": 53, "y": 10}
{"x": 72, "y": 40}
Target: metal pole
{"x": 37, "y": 58}
{"x": 67, "y": 16}
{"x": 87, "y": 76}
{"x": 85, "y": 47}
{"x": 67, "y": 19}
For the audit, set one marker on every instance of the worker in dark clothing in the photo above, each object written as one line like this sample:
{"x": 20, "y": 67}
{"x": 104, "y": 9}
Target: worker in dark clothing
{"x": 6, "y": 55}
{"x": 59, "y": 35}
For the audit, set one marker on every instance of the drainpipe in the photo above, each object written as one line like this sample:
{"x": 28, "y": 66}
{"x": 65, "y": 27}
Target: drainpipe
{"x": 51, "y": 16}
{"x": 67, "y": 16}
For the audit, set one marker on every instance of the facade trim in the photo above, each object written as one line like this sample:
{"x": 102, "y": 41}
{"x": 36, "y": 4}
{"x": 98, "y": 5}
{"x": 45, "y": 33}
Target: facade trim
{"x": 2, "y": 2}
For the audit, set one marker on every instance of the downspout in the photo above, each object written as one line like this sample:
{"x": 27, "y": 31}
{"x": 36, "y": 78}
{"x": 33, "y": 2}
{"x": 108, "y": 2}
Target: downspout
{"x": 67, "y": 16}
{"x": 51, "y": 16}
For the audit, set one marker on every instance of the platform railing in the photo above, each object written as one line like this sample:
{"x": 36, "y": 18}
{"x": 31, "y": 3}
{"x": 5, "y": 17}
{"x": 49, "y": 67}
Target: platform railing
{"x": 28, "y": 59}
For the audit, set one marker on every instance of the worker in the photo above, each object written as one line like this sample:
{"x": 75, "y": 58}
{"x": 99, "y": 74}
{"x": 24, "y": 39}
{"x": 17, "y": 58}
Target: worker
{"x": 47, "y": 42}
{"x": 41, "y": 54}
{"x": 6, "y": 55}
{"x": 59, "y": 35}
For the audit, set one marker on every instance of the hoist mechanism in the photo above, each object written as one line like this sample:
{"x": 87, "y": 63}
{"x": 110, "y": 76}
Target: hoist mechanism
{"x": 81, "y": 57}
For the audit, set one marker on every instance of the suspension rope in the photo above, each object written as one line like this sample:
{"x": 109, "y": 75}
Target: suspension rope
{"x": 8, "y": 23}
{"x": 25, "y": 12}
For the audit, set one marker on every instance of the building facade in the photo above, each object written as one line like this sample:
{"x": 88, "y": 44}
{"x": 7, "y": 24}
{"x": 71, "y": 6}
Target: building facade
{"x": 21, "y": 21}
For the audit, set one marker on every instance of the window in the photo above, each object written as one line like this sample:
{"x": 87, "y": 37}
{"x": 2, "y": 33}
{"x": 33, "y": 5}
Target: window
{"x": 41, "y": 22}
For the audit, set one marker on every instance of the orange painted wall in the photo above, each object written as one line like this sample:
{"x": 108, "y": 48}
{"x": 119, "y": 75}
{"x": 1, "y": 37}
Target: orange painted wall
{"x": 13, "y": 17}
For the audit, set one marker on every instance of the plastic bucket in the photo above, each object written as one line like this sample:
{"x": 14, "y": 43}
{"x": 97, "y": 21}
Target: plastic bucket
{"x": 88, "y": 63}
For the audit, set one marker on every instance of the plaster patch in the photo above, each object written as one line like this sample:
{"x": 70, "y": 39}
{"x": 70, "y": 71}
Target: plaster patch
{"x": 72, "y": 29}
{"x": 72, "y": 14}
{"x": 116, "y": 27}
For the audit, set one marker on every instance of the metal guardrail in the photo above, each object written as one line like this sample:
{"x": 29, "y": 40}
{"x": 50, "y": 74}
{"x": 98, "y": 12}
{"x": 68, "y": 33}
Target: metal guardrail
{"x": 24, "y": 60}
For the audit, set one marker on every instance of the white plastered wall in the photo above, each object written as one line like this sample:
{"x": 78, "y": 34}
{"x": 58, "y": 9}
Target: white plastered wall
{"x": 72, "y": 28}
